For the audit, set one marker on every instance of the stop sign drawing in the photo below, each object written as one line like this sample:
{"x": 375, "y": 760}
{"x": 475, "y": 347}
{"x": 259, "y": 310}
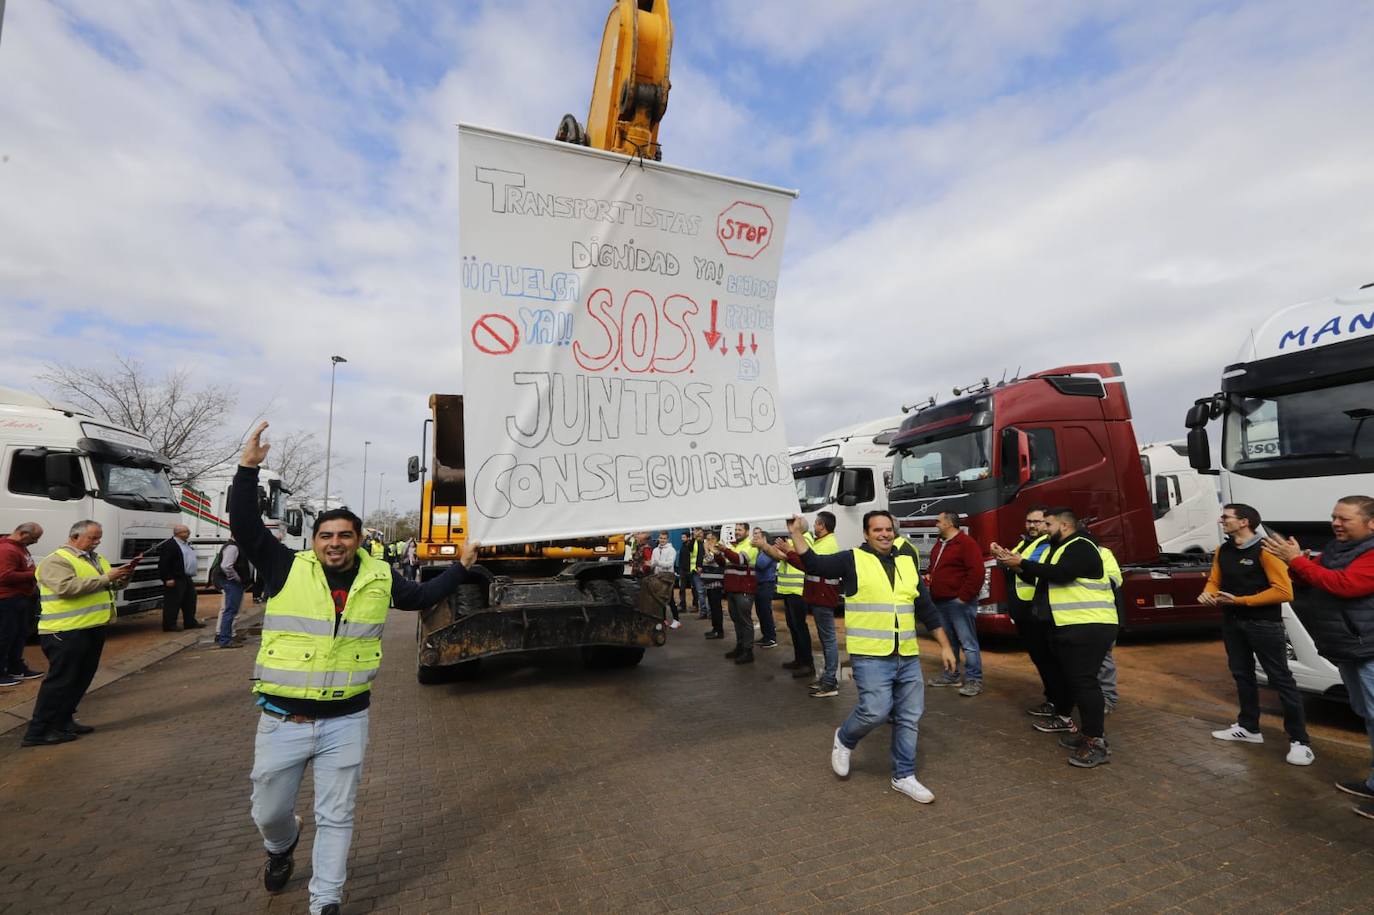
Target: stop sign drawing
{"x": 744, "y": 229}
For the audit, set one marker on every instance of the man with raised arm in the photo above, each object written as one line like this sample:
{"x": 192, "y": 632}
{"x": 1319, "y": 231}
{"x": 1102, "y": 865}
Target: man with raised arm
{"x": 883, "y": 600}
{"x": 321, "y": 650}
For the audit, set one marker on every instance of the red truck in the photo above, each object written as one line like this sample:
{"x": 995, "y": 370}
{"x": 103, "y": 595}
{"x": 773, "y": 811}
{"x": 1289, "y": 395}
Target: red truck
{"x": 1058, "y": 437}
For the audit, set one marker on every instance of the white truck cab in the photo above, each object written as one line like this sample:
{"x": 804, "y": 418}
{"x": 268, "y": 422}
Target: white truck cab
{"x": 1186, "y": 503}
{"x": 1296, "y": 409}
{"x": 59, "y": 465}
{"x": 846, "y": 472}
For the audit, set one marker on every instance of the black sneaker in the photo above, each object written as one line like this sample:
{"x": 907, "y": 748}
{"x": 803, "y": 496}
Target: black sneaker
{"x": 792, "y": 665}
{"x": 746, "y": 657}
{"x": 803, "y": 672}
{"x": 279, "y": 866}
{"x": 768, "y": 643}
{"x": 1091, "y": 753}
{"x": 48, "y": 739}
{"x": 27, "y": 674}
{"x": 331, "y": 909}
{"x": 1056, "y": 724}
{"x": 1359, "y": 789}
{"x": 732, "y": 654}
{"x": 825, "y": 690}
{"x": 75, "y": 727}
{"x": 715, "y": 634}
{"x": 1043, "y": 710}
{"x": 1365, "y": 810}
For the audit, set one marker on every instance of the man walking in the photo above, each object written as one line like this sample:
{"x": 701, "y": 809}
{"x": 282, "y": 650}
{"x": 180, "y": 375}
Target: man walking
{"x": 1251, "y": 585}
{"x": 883, "y": 600}
{"x": 321, "y": 649}
{"x": 956, "y": 578}
{"x": 176, "y": 566}
{"x": 232, "y": 569}
{"x": 740, "y": 586}
{"x": 76, "y": 586}
{"x": 1334, "y": 599}
{"x": 18, "y": 601}
{"x": 1071, "y": 588}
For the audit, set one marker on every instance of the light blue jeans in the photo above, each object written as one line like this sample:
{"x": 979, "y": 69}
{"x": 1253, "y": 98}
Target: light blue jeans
{"x": 890, "y": 685}
{"x": 830, "y": 643}
{"x": 233, "y": 596}
{"x": 280, "y": 752}
{"x": 1359, "y": 683}
{"x": 961, "y": 628}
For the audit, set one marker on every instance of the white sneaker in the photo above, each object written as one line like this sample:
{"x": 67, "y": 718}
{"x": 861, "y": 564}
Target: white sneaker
{"x": 839, "y": 757}
{"x": 675, "y": 624}
{"x": 1236, "y": 732}
{"x": 913, "y": 789}
{"x": 1300, "y": 754}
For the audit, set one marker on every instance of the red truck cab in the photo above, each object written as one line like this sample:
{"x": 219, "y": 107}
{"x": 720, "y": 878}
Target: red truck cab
{"x": 1058, "y": 437}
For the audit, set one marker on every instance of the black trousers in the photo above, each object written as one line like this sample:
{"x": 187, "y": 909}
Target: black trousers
{"x": 683, "y": 587}
{"x": 1246, "y": 640}
{"x": 1035, "y": 638}
{"x": 179, "y": 599}
{"x": 713, "y": 599}
{"x": 72, "y": 661}
{"x": 1079, "y": 651}
{"x": 794, "y": 610}
{"x": 742, "y": 615}
{"x": 15, "y": 615}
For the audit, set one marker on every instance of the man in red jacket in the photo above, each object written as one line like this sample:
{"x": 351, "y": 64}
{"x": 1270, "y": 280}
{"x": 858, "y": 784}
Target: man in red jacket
{"x": 955, "y": 577}
{"x": 18, "y": 601}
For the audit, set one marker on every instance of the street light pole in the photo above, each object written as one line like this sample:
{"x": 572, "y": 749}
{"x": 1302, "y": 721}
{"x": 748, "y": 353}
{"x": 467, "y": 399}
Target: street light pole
{"x": 380, "y": 477}
{"x": 363, "y": 513}
{"x": 329, "y": 434}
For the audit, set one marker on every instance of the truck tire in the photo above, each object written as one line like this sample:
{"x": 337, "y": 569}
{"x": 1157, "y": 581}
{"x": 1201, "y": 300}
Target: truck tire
{"x": 611, "y": 657}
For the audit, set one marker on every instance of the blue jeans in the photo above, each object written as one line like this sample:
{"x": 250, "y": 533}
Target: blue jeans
{"x": 961, "y": 630}
{"x": 280, "y": 753}
{"x": 699, "y": 592}
{"x": 890, "y": 685}
{"x": 830, "y": 643}
{"x": 1359, "y": 683}
{"x": 233, "y": 596}
{"x": 763, "y": 608}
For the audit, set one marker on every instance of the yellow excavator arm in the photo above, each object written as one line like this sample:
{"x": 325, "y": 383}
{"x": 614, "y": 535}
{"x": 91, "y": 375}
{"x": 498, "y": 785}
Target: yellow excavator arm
{"x": 630, "y": 94}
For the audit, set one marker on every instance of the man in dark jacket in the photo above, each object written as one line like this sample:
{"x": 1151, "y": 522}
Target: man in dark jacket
{"x": 956, "y": 578}
{"x": 176, "y": 566}
{"x": 1334, "y": 598}
{"x": 1034, "y": 633}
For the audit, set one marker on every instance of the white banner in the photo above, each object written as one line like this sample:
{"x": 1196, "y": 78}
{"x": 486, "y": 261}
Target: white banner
{"x": 618, "y": 363}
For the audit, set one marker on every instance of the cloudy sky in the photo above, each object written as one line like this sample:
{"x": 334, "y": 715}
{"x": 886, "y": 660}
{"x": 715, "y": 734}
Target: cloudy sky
{"x": 245, "y": 188}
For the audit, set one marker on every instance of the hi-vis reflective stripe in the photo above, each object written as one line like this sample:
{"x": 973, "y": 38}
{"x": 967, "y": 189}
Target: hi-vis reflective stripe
{"x": 886, "y": 608}
{"x": 1090, "y": 585}
{"x": 80, "y": 611}
{"x": 739, "y": 571}
{"x": 791, "y": 578}
{"x": 1085, "y": 605}
{"x": 326, "y": 680}
{"x": 361, "y": 630}
{"x": 833, "y": 582}
{"x": 879, "y": 633}
{"x": 280, "y": 622}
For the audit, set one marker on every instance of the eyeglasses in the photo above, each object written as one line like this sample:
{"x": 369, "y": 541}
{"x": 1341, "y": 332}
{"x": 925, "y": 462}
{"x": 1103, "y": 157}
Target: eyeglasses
{"x": 1228, "y": 518}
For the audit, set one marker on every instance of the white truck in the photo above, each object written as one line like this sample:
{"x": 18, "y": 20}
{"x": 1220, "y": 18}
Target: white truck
{"x": 299, "y": 523}
{"x": 205, "y": 510}
{"x": 1295, "y": 409}
{"x": 1186, "y": 505}
{"x": 846, "y": 472}
{"x": 61, "y": 465}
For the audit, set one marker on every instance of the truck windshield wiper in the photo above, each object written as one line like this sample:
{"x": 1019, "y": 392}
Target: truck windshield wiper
{"x": 129, "y": 495}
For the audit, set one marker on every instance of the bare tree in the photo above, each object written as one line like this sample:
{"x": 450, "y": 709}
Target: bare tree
{"x": 183, "y": 421}
{"x": 400, "y": 526}
{"x": 300, "y": 461}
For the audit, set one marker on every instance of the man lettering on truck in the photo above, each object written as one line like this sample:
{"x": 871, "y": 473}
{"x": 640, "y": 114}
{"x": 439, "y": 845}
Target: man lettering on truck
{"x": 883, "y": 600}
{"x": 321, "y": 649}
{"x": 1251, "y": 585}
{"x": 956, "y": 577}
{"x": 1073, "y": 592}
{"x": 1334, "y": 599}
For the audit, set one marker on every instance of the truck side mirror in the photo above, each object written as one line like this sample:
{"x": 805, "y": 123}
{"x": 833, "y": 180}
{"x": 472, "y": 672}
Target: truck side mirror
{"x": 1199, "y": 450}
{"x": 57, "y": 472}
{"x": 1198, "y": 414}
{"x": 849, "y": 485}
{"x": 413, "y": 468}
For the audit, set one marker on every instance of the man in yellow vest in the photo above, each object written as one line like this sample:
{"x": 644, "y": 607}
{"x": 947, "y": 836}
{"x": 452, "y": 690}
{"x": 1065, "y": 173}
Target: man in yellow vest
{"x": 321, "y": 650}
{"x": 1033, "y": 632}
{"x": 883, "y": 600}
{"x": 1072, "y": 589}
{"x": 76, "y": 589}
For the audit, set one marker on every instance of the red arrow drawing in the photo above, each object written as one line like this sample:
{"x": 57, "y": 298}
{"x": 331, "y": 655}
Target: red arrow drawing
{"x": 753, "y": 344}
{"x": 712, "y": 338}
{"x": 740, "y": 348}
{"x": 724, "y": 349}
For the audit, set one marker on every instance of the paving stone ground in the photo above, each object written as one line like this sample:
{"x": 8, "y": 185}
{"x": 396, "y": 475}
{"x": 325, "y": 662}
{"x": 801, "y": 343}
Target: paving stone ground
{"x": 684, "y": 785}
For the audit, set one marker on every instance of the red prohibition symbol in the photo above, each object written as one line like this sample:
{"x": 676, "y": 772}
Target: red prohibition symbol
{"x": 495, "y": 334}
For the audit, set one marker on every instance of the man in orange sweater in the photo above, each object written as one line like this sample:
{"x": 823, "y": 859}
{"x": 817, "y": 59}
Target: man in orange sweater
{"x": 1251, "y": 586}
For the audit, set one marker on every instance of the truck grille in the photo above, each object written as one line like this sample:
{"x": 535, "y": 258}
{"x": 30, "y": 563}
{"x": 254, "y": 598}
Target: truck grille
{"x": 132, "y": 546}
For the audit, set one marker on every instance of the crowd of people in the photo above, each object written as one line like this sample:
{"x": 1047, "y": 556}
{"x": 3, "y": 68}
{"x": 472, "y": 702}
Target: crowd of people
{"x": 327, "y": 606}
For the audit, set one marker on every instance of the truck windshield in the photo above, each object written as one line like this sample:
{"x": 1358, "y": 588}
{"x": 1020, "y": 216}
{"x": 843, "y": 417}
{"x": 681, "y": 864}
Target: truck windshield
{"x": 1332, "y": 425}
{"x": 144, "y": 488}
{"x": 813, "y": 492}
{"x": 954, "y": 460}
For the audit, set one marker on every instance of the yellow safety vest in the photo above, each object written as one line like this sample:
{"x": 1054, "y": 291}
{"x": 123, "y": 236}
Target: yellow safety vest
{"x": 1084, "y": 600}
{"x": 63, "y": 614}
{"x": 826, "y": 546}
{"x": 377, "y": 549}
{"x": 747, "y": 552}
{"x": 790, "y": 578}
{"x": 1024, "y": 591}
{"x": 881, "y": 613}
{"x": 302, "y": 656}
{"x": 1110, "y": 567}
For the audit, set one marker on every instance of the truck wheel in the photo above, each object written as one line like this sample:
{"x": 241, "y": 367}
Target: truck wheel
{"x": 610, "y": 657}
